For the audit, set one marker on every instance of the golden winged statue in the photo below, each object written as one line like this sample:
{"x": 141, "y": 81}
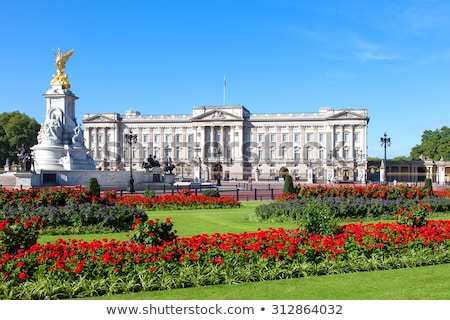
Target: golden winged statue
{"x": 60, "y": 63}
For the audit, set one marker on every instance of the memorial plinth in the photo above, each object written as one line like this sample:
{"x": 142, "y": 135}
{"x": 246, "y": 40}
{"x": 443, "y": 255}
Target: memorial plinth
{"x": 60, "y": 139}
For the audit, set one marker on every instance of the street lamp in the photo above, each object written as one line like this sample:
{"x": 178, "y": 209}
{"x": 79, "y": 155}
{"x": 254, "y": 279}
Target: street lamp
{"x": 219, "y": 152}
{"x": 197, "y": 151}
{"x": 131, "y": 138}
{"x": 385, "y": 142}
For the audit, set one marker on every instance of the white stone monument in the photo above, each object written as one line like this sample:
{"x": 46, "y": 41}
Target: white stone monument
{"x": 60, "y": 140}
{"x": 382, "y": 172}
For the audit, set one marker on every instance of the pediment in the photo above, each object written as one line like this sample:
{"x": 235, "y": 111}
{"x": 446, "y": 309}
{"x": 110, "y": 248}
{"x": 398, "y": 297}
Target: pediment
{"x": 217, "y": 115}
{"x": 99, "y": 118}
{"x": 348, "y": 114}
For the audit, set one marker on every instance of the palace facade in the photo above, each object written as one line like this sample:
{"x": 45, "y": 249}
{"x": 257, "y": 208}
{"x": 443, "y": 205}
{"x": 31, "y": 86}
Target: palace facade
{"x": 232, "y": 143}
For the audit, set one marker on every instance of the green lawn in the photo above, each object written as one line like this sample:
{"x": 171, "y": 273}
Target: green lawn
{"x": 193, "y": 222}
{"x": 430, "y": 283}
{"x": 422, "y": 283}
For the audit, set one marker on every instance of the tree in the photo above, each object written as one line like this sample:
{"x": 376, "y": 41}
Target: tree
{"x": 435, "y": 145}
{"x": 288, "y": 184}
{"x": 401, "y": 158}
{"x": 94, "y": 187}
{"x": 16, "y": 129}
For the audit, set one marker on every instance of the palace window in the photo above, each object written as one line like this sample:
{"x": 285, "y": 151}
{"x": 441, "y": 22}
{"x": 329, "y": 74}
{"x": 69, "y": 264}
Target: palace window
{"x": 260, "y": 137}
{"x": 346, "y": 153}
{"x": 346, "y": 137}
{"x": 272, "y": 137}
{"x": 321, "y": 137}
{"x": 260, "y": 154}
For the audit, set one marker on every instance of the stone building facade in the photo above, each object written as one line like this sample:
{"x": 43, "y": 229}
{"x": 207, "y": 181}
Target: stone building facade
{"x": 232, "y": 143}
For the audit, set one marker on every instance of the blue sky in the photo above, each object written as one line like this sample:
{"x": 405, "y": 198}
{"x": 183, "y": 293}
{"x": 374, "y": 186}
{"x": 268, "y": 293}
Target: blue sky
{"x": 163, "y": 57}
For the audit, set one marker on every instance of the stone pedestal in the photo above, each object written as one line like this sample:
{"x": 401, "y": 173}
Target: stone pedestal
{"x": 61, "y": 140}
{"x": 382, "y": 172}
{"x": 26, "y": 180}
{"x": 169, "y": 178}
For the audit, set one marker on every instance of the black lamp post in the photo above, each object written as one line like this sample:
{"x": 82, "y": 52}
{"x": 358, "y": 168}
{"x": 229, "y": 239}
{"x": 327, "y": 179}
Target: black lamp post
{"x": 130, "y": 138}
{"x": 219, "y": 152}
{"x": 385, "y": 142}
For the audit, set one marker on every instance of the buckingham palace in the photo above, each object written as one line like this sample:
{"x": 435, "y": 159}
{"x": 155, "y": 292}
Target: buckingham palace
{"x": 231, "y": 143}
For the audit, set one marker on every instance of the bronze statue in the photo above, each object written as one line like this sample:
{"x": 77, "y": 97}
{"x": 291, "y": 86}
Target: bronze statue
{"x": 25, "y": 158}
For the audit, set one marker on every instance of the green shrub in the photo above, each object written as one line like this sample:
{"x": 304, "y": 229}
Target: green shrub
{"x": 288, "y": 184}
{"x": 416, "y": 216}
{"x": 211, "y": 193}
{"x": 317, "y": 218}
{"x": 428, "y": 186}
{"x": 94, "y": 187}
{"x": 149, "y": 193}
{"x": 18, "y": 234}
{"x": 153, "y": 232}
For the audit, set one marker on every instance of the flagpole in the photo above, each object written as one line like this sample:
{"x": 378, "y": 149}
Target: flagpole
{"x": 224, "y": 90}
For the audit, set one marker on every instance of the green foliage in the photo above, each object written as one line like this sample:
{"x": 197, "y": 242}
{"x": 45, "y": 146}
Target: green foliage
{"x": 435, "y": 145}
{"x": 401, "y": 158}
{"x": 211, "y": 193}
{"x": 153, "y": 232}
{"x": 416, "y": 216}
{"x": 149, "y": 193}
{"x": 288, "y": 184}
{"x": 18, "y": 234}
{"x": 428, "y": 186}
{"x": 94, "y": 187}
{"x": 317, "y": 219}
{"x": 16, "y": 129}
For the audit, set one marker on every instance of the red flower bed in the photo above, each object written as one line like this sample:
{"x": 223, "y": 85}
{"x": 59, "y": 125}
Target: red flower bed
{"x": 71, "y": 260}
{"x": 58, "y": 196}
{"x": 370, "y": 191}
{"x": 177, "y": 201}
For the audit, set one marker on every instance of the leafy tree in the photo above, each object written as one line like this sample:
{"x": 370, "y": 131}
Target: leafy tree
{"x": 16, "y": 128}
{"x": 94, "y": 187}
{"x": 435, "y": 145}
{"x": 288, "y": 184}
{"x": 401, "y": 158}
